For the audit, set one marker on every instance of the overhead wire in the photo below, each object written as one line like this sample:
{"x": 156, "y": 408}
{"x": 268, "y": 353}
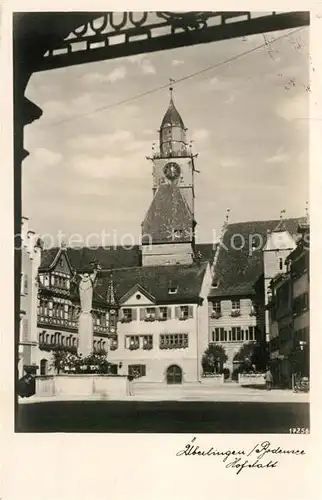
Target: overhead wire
{"x": 179, "y": 80}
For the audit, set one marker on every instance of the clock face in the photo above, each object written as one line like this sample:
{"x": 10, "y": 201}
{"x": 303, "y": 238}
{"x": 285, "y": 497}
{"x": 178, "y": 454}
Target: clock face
{"x": 172, "y": 170}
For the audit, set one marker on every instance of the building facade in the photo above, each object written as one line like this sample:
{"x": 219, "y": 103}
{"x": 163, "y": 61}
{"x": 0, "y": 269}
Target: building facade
{"x": 288, "y": 310}
{"x": 58, "y": 309}
{"x": 248, "y": 256}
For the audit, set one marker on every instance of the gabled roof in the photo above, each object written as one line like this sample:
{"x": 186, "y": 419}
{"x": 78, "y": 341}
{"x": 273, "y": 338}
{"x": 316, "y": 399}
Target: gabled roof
{"x": 155, "y": 280}
{"x": 137, "y": 288}
{"x": 239, "y": 265}
{"x": 50, "y": 258}
{"x": 168, "y": 213}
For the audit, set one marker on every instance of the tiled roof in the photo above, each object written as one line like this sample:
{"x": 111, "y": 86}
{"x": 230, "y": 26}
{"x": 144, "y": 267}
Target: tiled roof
{"x": 168, "y": 212}
{"x": 238, "y": 266}
{"x": 108, "y": 258}
{"x": 156, "y": 280}
{"x": 111, "y": 258}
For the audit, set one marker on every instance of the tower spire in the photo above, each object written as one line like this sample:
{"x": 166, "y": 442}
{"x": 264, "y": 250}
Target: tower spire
{"x": 172, "y": 81}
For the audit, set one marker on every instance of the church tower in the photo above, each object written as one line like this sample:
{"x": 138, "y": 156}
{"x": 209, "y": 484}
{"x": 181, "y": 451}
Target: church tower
{"x": 169, "y": 225}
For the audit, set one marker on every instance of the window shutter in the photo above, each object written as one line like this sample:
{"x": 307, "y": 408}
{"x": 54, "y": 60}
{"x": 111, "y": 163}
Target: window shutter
{"x": 142, "y": 313}
{"x": 177, "y": 312}
{"x": 157, "y": 313}
{"x": 190, "y": 312}
{"x": 134, "y": 313}
{"x": 169, "y": 312}
{"x": 143, "y": 370}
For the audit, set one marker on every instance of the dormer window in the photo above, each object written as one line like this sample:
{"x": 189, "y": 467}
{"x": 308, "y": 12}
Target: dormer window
{"x": 173, "y": 288}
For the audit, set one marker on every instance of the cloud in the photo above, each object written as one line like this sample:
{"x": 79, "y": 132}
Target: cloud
{"x": 118, "y": 73}
{"x": 107, "y": 167}
{"x": 45, "y": 157}
{"x": 294, "y": 108}
{"x": 143, "y": 63}
{"x": 279, "y": 157}
{"x": 147, "y": 67}
{"x": 88, "y": 142}
{"x": 176, "y": 62}
{"x": 200, "y": 134}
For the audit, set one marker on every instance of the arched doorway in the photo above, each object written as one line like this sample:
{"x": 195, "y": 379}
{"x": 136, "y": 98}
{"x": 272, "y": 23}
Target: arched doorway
{"x": 174, "y": 375}
{"x": 43, "y": 367}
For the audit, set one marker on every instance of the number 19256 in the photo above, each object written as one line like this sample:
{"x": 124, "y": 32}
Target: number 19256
{"x": 299, "y": 430}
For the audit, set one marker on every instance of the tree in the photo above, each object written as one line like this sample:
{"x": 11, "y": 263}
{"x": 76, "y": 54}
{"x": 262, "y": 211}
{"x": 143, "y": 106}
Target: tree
{"x": 213, "y": 359}
{"x": 252, "y": 354}
{"x": 59, "y": 359}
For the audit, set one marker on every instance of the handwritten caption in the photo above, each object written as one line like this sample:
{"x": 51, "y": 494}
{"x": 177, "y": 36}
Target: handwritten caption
{"x": 261, "y": 456}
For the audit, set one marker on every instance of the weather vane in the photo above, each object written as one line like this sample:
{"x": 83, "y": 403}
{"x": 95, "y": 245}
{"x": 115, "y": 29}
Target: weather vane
{"x": 172, "y": 81}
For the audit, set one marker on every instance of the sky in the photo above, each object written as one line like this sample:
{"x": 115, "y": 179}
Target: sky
{"x": 87, "y": 171}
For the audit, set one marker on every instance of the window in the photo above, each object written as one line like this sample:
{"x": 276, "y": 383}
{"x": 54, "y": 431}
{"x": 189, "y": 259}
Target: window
{"x": 25, "y": 284}
{"x": 216, "y": 307}
{"x": 147, "y": 341}
{"x": 52, "y": 339}
{"x": 127, "y": 314}
{"x": 233, "y": 331}
{"x": 43, "y": 366}
{"x": 174, "y": 341}
{"x": 164, "y": 313}
{"x": 173, "y": 287}
{"x": 280, "y": 260}
{"x": 150, "y": 313}
{"x": 184, "y": 312}
{"x": 251, "y": 332}
{"x": 235, "y": 305}
{"x": 239, "y": 334}
{"x": 137, "y": 371}
{"x": 219, "y": 335}
{"x": 132, "y": 342}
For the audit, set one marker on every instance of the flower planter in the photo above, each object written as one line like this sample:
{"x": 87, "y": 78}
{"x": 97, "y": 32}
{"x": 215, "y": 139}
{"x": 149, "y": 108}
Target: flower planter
{"x": 215, "y": 315}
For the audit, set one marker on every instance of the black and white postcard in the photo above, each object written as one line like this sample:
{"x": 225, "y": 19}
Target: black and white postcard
{"x": 160, "y": 309}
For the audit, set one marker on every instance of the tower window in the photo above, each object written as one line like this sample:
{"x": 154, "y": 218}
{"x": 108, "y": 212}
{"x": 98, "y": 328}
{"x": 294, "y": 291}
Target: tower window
{"x": 281, "y": 263}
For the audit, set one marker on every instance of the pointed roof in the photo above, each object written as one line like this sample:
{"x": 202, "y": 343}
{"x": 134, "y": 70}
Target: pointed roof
{"x": 172, "y": 117}
{"x": 111, "y": 296}
{"x": 169, "y": 218}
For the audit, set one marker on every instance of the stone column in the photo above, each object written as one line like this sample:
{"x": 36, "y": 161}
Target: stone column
{"x": 85, "y": 333}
